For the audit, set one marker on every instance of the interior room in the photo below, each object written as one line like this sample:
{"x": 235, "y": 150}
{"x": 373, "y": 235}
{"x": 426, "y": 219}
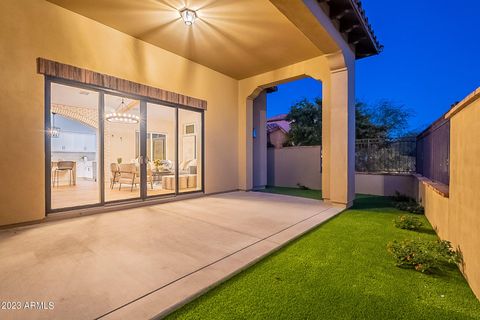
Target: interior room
{"x": 168, "y": 133}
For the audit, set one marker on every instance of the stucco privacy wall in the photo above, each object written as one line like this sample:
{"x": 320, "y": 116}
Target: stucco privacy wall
{"x": 36, "y": 28}
{"x": 457, "y": 218}
{"x": 384, "y": 184}
{"x": 293, "y": 166}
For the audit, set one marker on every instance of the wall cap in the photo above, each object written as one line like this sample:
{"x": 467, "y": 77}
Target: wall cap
{"x": 464, "y": 103}
{"x": 440, "y": 188}
{"x": 401, "y": 174}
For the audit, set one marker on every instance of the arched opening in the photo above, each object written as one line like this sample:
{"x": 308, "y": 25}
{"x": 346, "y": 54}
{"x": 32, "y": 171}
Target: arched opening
{"x": 281, "y": 157}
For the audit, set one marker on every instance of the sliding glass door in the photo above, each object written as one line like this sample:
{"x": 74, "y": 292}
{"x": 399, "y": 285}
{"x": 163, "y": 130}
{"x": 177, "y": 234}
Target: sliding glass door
{"x": 189, "y": 151}
{"x": 73, "y": 157}
{"x": 123, "y": 174}
{"x": 104, "y": 147}
{"x": 161, "y": 150}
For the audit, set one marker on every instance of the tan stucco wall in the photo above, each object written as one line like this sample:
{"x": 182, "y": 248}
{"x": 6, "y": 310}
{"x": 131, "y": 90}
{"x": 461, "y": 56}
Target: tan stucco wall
{"x": 457, "y": 218}
{"x": 260, "y": 140}
{"x": 464, "y": 217}
{"x": 36, "y": 28}
{"x": 384, "y": 184}
{"x": 317, "y": 68}
{"x": 288, "y": 167}
{"x": 336, "y": 72}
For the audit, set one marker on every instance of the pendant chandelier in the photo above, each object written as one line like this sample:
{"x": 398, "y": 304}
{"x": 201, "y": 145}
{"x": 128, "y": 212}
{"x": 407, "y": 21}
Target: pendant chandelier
{"x": 122, "y": 117}
{"x": 54, "y": 131}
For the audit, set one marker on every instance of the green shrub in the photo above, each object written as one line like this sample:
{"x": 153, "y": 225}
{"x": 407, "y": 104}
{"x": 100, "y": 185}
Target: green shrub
{"x": 423, "y": 255}
{"x": 408, "y": 222}
{"x": 399, "y": 197}
{"x": 406, "y": 203}
{"x": 410, "y": 206}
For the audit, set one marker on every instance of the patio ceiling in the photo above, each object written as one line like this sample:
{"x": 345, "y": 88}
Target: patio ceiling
{"x": 237, "y": 38}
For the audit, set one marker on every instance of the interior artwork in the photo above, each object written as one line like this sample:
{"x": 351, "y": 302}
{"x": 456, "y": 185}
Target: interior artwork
{"x": 129, "y": 143}
{"x": 189, "y": 147}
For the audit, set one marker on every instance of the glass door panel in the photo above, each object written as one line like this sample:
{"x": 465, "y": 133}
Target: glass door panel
{"x": 74, "y": 147}
{"x": 189, "y": 151}
{"x": 122, "y": 164}
{"x": 161, "y": 150}
{"x": 108, "y": 148}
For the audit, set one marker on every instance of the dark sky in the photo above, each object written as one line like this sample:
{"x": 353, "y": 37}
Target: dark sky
{"x": 431, "y": 58}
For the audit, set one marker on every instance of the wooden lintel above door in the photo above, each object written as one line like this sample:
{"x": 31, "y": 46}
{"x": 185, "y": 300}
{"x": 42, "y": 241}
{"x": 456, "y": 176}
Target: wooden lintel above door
{"x": 69, "y": 72}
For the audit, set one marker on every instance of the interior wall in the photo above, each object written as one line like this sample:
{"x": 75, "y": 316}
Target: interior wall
{"x": 161, "y": 119}
{"x": 36, "y": 28}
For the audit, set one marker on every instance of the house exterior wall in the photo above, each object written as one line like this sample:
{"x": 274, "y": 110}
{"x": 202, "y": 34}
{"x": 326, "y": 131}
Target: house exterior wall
{"x": 456, "y": 218}
{"x": 336, "y": 72}
{"x": 30, "y": 29}
{"x": 249, "y": 88}
{"x": 36, "y": 28}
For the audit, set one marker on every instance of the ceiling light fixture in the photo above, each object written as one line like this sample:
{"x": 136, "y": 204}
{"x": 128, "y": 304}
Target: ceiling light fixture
{"x": 54, "y": 131}
{"x": 122, "y": 117}
{"x": 188, "y": 16}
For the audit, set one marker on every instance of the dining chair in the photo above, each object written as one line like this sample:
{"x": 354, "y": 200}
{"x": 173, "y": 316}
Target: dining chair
{"x": 115, "y": 174}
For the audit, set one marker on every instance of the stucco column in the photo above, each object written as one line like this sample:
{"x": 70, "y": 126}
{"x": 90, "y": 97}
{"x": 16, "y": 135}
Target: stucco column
{"x": 259, "y": 136}
{"x": 246, "y": 175}
{"x": 338, "y": 137}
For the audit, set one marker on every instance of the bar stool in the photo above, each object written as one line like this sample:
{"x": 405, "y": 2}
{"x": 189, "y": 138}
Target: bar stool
{"x": 64, "y": 166}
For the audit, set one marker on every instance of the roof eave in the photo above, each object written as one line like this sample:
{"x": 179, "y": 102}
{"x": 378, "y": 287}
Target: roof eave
{"x": 350, "y": 20}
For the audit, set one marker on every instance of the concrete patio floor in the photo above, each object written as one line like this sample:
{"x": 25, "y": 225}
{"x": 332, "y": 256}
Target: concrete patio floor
{"x": 144, "y": 262}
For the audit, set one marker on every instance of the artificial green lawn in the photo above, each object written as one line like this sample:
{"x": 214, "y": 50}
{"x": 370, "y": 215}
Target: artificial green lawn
{"x": 305, "y": 193}
{"x": 340, "y": 270}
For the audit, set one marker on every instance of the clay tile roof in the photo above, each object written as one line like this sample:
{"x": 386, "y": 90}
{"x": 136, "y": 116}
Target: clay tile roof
{"x": 277, "y": 117}
{"x": 351, "y": 21}
{"x": 278, "y": 123}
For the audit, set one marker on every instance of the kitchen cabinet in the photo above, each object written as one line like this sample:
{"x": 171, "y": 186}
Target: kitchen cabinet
{"x": 87, "y": 169}
{"x": 74, "y": 142}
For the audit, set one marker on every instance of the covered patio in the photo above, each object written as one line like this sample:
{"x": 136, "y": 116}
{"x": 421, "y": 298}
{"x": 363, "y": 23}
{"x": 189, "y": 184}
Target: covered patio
{"x": 144, "y": 262}
{"x": 136, "y": 84}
